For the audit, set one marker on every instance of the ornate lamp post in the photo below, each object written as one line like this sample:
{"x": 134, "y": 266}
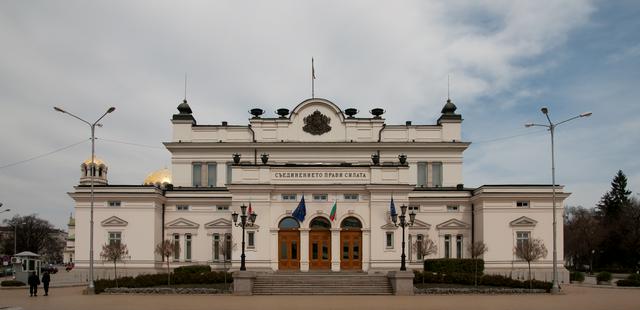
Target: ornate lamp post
{"x": 403, "y": 223}
{"x": 555, "y": 288}
{"x": 246, "y": 220}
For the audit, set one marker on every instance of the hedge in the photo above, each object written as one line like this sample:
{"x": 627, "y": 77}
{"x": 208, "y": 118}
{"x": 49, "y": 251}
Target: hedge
{"x": 12, "y": 283}
{"x": 604, "y": 276}
{"x": 448, "y": 265}
{"x": 151, "y": 280}
{"x": 632, "y": 280}
{"x": 486, "y": 280}
{"x": 576, "y": 276}
{"x": 193, "y": 269}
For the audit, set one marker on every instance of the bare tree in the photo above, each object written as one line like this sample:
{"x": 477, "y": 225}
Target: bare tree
{"x": 477, "y": 249}
{"x": 424, "y": 248}
{"x": 226, "y": 256}
{"x": 114, "y": 252}
{"x": 531, "y": 250}
{"x": 167, "y": 249}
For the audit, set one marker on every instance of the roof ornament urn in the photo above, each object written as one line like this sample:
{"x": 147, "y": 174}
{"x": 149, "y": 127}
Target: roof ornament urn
{"x": 236, "y": 158}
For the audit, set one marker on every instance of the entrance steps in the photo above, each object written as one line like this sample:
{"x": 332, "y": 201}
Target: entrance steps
{"x": 321, "y": 284}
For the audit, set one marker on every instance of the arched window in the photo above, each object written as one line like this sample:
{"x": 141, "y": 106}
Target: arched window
{"x": 351, "y": 223}
{"x": 320, "y": 223}
{"x": 289, "y": 223}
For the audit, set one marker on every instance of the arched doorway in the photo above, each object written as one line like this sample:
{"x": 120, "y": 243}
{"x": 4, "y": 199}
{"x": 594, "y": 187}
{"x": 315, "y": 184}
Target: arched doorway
{"x": 320, "y": 243}
{"x": 351, "y": 244}
{"x": 289, "y": 244}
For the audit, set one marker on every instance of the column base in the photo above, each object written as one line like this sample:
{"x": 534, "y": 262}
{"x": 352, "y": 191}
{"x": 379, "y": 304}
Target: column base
{"x": 401, "y": 282}
{"x": 243, "y": 282}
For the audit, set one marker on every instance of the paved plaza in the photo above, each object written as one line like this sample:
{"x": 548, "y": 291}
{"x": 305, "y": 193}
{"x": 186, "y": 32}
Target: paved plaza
{"x": 574, "y": 297}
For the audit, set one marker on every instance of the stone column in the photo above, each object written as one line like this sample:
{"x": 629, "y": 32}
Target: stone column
{"x": 366, "y": 249}
{"x": 304, "y": 249}
{"x": 335, "y": 249}
{"x": 275, "y": 250}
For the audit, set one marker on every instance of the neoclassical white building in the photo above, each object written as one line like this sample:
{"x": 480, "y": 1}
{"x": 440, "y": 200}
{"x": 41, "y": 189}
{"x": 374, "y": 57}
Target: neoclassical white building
{"x": 328, "y": 156}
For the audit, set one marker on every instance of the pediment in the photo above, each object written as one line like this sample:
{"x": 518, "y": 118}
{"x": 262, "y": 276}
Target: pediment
{"x": 182, "y": 223}
{"x": 453, "y": 224}
{"x": 114, "y": 221}
{"x": 420, "y": 225}
{"x": 523, "y": 221}
{"x": 388, "y": 226}
{"x": 218, "y": 223}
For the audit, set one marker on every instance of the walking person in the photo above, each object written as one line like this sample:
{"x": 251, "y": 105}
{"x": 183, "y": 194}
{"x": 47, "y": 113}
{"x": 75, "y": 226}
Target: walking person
{"x": 33, "y": 281}
{"x": 46, "y": 278}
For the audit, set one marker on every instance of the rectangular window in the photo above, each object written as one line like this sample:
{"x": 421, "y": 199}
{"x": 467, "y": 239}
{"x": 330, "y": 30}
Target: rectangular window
{"x": 420, "y": 247}
{"x": 522, "y": 204}
{"x": 197, "y": 175}
{"x": 320, "y": 197}
{"x": 453, "y": 208}
{"x": 522, "y": 238}
{"x": 459, "y": 246}
{"x": 216, "y": 247}
{"x": 447, "y": 246}
{"x": 222, "y": 208}
{"x": 251, "y": 239}
{"x": 422, "y": 174}
{"x": 211, "y": 174}
{"x": 187, "y": 247}
{"x": 437, "y": 174}
{"x": 229, "y": 173}
{"x": 115, "y": 237}
{"x": 414, "y": 208}
{"x": 115, "y": 203}
{"x": 389, "y": 242}
{"x": 352, "y": 197}
{"x": 289, "y": 197}
{"x": 182, "y": 208}
{"x": 227, "y": 247}
{"x": 176, "y": 247}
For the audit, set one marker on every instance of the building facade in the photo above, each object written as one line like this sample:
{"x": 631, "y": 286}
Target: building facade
{"x": 334, "y": 160}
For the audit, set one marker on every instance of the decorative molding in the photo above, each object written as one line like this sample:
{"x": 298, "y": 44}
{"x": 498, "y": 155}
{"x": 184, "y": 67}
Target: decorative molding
{"x": 182, "y": 223}
{"x": 114, "y": 221}
{"x": 220, "y": 223}
{"x": 389, "y": 226}
{"x": 420, "y": 225}
{"x": 523, "y": 221}
{"x": 453, "y": 224}
{"x": 316, "y": 123}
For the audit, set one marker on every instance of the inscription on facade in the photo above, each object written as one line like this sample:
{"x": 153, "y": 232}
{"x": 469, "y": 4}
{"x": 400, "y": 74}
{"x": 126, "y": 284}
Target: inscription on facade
{"x": 321, "y": 176}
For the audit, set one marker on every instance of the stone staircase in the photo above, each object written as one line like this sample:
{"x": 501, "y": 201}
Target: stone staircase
{"x": 321, "y": 284}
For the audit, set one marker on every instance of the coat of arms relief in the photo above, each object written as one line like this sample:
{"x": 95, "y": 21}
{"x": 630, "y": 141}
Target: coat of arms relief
{"x": 316, "y": 123}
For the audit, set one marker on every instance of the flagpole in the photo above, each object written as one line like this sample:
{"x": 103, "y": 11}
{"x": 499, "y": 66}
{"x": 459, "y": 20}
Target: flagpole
{"x": 313, "y": 79}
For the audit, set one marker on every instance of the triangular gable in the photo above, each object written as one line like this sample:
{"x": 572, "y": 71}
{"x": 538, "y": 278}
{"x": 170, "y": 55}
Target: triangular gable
{"x": 388, "y": 226}
{"x": 420, "y": 225}
{"x": 523, "y": 221}
{"x": 453, "y": 224}
{"x": 114, "y": 221}
{"x": 182, "y": 223}
{"x": 218, "y": 223}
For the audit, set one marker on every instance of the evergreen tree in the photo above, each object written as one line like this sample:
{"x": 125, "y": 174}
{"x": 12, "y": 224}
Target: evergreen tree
{"x": 611, "y": 210}
{"x": 613, "y": 202}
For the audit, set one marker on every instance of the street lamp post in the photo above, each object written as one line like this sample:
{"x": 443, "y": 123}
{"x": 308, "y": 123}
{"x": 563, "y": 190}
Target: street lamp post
{"x": 91, "y": 288}
{"x": 403, "y": 223}
{"x": 555, "y": 288}
{"x": 246, "y": 220}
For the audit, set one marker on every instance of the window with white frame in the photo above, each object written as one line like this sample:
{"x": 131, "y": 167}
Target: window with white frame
{"x": 196, "y": 174}
{"x": 251, "y": 239}
{"x": 187, "y": 247}
{"x": 453, "y": 208}
{"x": 459, "y": 246}
{"x": 422, "y": 174}
{"x": 176, "y": 247}
{"x": 227, "y": 247}
{"x": 229, "y": 173}
{"x": 222, "y": 208}
{"x": 289, "y": 197}
{"x": 447, "y": 246}
{"x": 389, "y": 240}
{"x": 420, "y": 247}
{"x": 320, "y": 197}
{"x": 414, "y": 208}
{"x": 212, "y": 174}
{"x": 182, "y": 207}
{"x": 522, "y": 204}
{"x": 115, "y": 237}
{"x": 436, "y": 174}
{"x": 522, "y": 238}
{"x": 216, "y": 247}
{"x": 351, "y": 197}
{"x": 114, "y": 203}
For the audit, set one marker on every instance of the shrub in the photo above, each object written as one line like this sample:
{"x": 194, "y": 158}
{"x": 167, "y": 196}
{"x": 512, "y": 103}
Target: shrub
{"x": 468, "y": 279}
{"x": 634, "y": 277}
{"x": 193, "y": 269}
{"x": 627, "y": 282}
{"x": 604, "y": 276}
{"x": 447, "y": 265}
{"x": 12, "y": 283}
{"x": 576, "y": 276}
{"x": 151, "y": 280}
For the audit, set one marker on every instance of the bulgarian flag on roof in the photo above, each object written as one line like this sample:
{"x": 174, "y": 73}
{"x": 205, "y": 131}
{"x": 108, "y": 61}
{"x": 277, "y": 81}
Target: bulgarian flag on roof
{"x": 332, "y": 215}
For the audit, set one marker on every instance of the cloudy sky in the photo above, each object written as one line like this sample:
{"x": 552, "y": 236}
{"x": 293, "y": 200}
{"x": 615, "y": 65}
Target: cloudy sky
{"x": 506, "y": 59}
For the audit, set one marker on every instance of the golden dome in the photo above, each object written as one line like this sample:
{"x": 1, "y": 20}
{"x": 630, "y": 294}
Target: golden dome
{"x": 96, "y": 160}
{"x": 159, "y": 177}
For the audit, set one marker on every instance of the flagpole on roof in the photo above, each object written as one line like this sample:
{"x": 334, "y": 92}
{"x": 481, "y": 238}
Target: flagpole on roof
{"x": 313, "y": 79}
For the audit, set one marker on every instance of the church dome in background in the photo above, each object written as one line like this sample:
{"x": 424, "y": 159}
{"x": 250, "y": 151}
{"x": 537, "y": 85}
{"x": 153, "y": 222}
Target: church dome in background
{"x": 96, "y": 160}
{"x": 159, "y": 177}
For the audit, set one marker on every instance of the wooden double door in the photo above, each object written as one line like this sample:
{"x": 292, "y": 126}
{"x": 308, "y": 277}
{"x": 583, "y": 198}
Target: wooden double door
{"x": 289, "y": 250}
{"x": 320, "y": 249}
{"x": 351, "y": 250}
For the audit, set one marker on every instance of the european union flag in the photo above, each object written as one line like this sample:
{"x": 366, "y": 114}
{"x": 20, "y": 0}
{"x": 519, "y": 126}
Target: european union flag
{"x": 392, "y": 208}
{"x": 301, "y": 211}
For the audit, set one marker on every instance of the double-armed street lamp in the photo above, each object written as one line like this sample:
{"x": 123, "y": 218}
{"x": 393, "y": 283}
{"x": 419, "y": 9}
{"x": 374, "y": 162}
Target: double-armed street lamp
{"x": 403, "y": 223}
{"x": 555, "y": 288}
{"x": 92, "y": 175}
{"x": 3, "y": 211}
{"x": 246, "y": 220}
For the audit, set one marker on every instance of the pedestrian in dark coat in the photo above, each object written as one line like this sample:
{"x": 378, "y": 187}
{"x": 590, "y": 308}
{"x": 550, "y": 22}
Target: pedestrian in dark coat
{"x": 46, "y": 278}
{"x": 34, "y": 281}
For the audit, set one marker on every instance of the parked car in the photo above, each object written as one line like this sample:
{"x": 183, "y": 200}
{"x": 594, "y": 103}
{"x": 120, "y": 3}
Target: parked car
{"x": 50, "y": 268}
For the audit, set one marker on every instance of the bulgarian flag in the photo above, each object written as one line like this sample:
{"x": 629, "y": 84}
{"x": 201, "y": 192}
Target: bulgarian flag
{"x": 332, "y": 215}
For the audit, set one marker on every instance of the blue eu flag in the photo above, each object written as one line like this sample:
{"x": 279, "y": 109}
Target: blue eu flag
{"x": 392, "y": 208}
{"x": 300, "y": 212}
